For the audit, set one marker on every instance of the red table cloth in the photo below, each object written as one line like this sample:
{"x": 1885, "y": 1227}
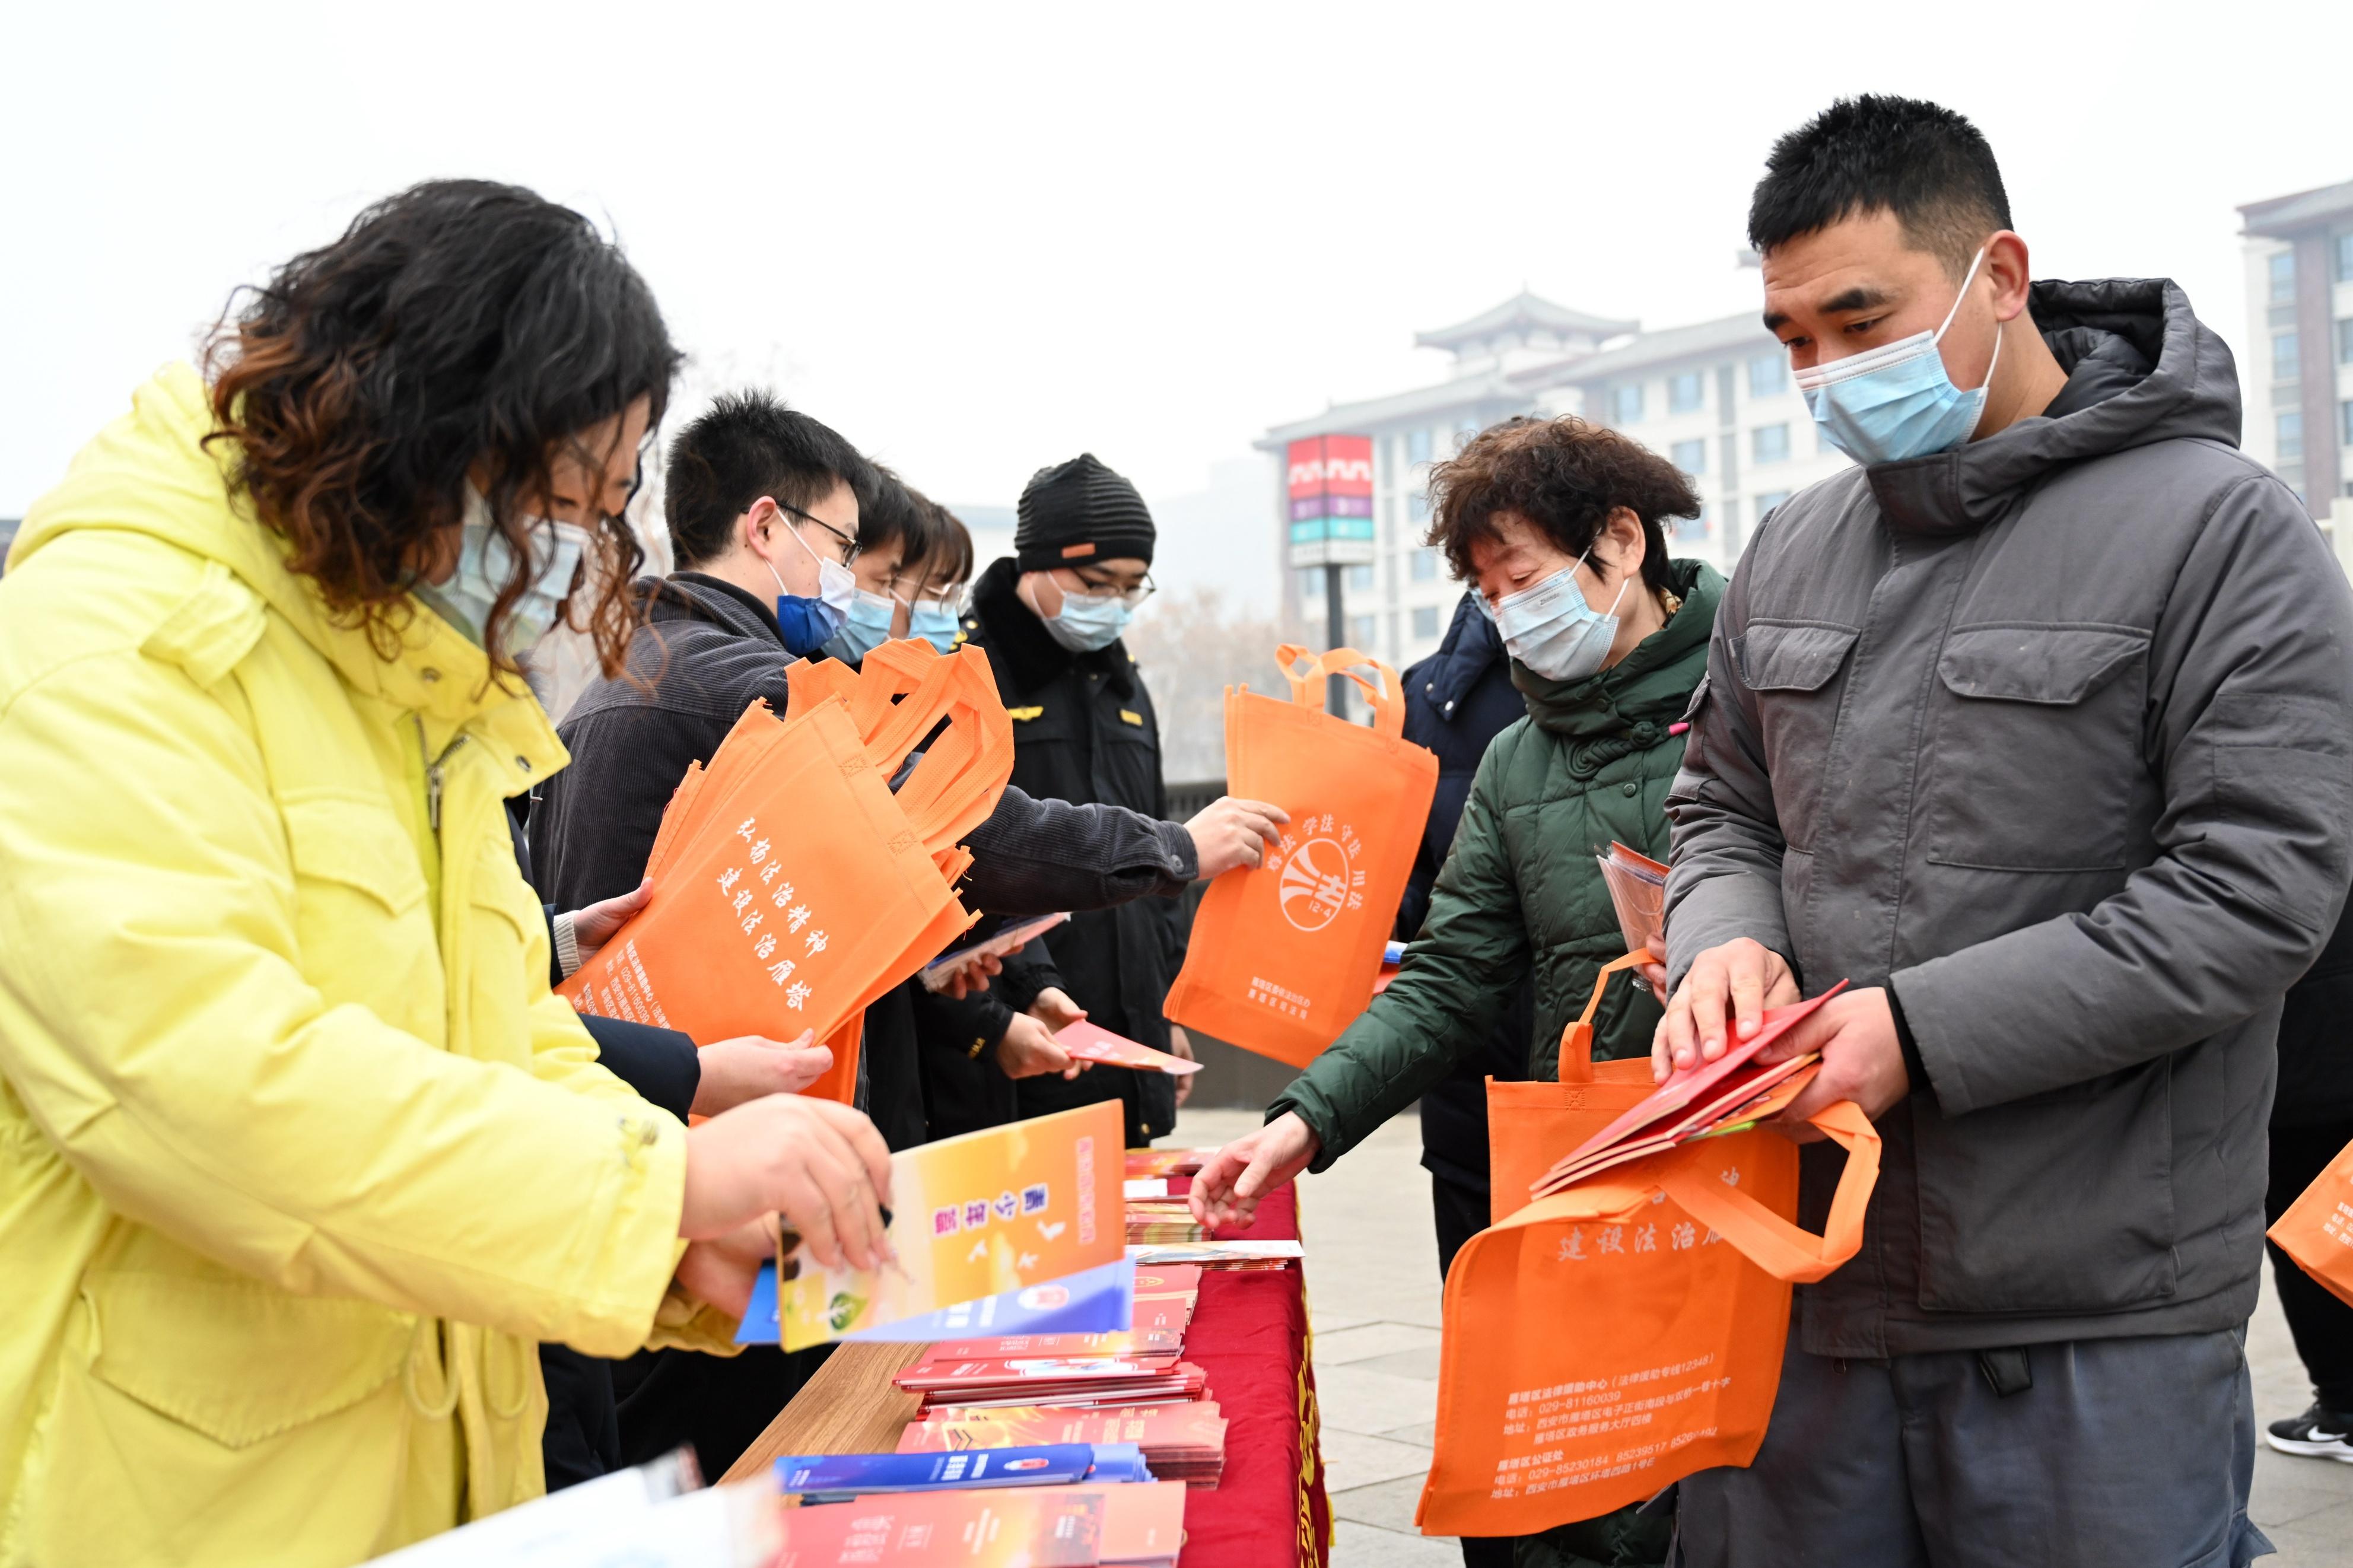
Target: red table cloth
{"x": 1249, "y": 1334}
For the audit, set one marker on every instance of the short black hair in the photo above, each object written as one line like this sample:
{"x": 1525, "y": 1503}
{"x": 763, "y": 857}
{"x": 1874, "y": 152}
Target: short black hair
{"x": 1920, "y": 161}
{"x": 890, "y": 513}
{"x": 747, "y": 445}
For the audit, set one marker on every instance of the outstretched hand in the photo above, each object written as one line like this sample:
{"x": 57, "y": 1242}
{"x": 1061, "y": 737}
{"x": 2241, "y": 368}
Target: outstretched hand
{"x": 1230, "y": 833}
{"x": 1232, "y": 1180}
{"x": 595, "y": 926}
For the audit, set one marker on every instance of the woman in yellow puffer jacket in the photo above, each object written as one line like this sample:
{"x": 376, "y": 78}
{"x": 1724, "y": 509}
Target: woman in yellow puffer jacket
{"x": 299, "y": 1157}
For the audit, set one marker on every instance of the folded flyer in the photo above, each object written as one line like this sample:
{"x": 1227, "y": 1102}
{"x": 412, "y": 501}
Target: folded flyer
{"x": 1092, "y": 1042}
{"x": 936, "y": 975}
{"x": 1024, "y": 1223}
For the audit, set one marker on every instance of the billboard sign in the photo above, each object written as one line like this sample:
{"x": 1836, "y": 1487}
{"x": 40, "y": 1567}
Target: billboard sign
{"x": 1330, "y": 485}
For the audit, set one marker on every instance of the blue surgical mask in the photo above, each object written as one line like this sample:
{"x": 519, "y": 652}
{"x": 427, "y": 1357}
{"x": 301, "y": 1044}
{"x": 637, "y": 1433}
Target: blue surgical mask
{"x": 1551, "y": 629}
{"x": 1896, "y": 401}
{"x": 935, "y": 622}
{"x": 807, "y": 622}
{"x": 485, "y": 561}
{"x": 1088, "y": 622}
{"x": 867, "y": 627}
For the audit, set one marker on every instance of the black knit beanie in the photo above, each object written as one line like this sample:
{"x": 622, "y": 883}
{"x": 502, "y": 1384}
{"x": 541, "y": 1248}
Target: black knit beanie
{"x": 1079, "y": 511}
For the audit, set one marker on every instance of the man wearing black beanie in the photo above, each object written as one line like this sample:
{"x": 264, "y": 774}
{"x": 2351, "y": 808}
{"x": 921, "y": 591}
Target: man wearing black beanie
{"x": 1084, "y": 731}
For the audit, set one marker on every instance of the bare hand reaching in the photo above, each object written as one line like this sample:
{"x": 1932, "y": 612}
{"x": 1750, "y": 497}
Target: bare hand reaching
{"x": 594, "y": 926}
{"x": 821, "y": 1165}
{"x": 1232, "y": 1180}
{"x": 742, "y": 1070}
{"x": 1230, "y": 833}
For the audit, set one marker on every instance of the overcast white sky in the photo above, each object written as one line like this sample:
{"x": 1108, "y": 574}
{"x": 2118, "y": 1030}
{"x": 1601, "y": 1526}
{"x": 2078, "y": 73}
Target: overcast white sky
{"x": 977, "y": 239}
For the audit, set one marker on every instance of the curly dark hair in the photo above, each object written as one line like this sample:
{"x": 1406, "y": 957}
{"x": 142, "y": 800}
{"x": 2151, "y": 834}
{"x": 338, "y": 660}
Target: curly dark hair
{"x": 1563, "y": 475}
{"x": 459, "y": 323}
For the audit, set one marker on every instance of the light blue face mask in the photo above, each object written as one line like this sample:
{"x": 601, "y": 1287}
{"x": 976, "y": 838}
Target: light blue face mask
{"x": 485, "y": 561}
{"x": 1551, "y": 629}
{"x": 864, "y": 629}
{"x": 935, "y": 622}
{"x": 1087, "y": 621}
{"x": 1896, "y": 401}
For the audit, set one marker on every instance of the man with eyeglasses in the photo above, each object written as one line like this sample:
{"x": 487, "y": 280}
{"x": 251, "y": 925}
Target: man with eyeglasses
{"x": 1084, "y": 730}
{"x": 767, "y": 510}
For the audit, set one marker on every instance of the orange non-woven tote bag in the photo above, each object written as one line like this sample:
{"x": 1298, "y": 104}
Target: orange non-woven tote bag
{"x": 1284, "y": 955}
{"x": 792, "y": 886}
{"x": 2317, "y": 1229}
{"x": 1627, "y": 1332}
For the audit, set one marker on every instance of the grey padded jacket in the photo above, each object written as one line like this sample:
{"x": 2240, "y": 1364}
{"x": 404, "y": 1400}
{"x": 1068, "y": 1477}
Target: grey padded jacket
{"x": 2054, "y": 735}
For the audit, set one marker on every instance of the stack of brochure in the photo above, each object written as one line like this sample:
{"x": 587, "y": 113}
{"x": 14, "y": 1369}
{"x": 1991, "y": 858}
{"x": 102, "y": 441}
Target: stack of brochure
{"x": 1729, "y": 1094}
{"x": 1073, "y": 1380}
{"x": 1179, "y": 1441}
{"x": 1137, "y": 1525}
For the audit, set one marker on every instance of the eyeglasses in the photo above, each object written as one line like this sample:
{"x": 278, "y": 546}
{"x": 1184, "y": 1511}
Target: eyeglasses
{"x": 849, "y": 543}
{"x": 1090, "y": 589}
{"x": 953, "y": 598}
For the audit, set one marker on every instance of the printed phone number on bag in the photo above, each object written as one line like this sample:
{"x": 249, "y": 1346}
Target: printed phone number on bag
{"x": 744, "y": 888}
{"x": 2339, "y": 1226}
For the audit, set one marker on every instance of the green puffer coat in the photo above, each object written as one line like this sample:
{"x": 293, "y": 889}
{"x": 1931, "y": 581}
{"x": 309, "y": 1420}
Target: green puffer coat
{"x": 1521, "y": 894}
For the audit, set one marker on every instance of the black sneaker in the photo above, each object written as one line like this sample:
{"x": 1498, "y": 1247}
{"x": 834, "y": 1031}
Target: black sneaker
{"x": 2316, "y": 1434}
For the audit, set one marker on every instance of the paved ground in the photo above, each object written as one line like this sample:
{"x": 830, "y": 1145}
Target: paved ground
{"x": 1373, "y": 1289}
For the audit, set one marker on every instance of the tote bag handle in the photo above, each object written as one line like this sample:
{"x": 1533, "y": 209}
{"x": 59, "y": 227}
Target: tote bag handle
{"x": 1576, "y": 1041}
{"x": 1386, "y": 699}
{"x": 1774, "y": 1245}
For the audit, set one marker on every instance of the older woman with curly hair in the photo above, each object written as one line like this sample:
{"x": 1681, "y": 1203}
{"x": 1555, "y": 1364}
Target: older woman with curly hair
{"x": 300, "y": 1160}
{"x": 1560, "y": 525}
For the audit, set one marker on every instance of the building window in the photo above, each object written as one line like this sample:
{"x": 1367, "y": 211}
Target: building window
{"x": 1626, "y": 403}
{"x": 1417, "y": 508}
{"x": 1769, "y": 444}
{"x": 1360, "y": 579}
{"x": 2344, "y": 424}
{"x": 2287, "y": 360}
{"x": 1417, "y": 446}
{"x": 2290, "y": 427}
{"x": 1685, "y": 392}
{"x": 1769, "y": 376}
{"x": 2344, "y": 340}
{"x": 2283, "y": 266}
{"x": 1311, "y": 587}
{"x": 1692, "y": 530}
{"x": 2345, "y": 256}
{"x": 1388, "y": 464}
{"x": 1423, "y": 564}
{"x": 1425, "y": 621}
{"x": 1768, "y": 500}
{"x": 1691, "y": 457}
{"x": 1364, "y": 631}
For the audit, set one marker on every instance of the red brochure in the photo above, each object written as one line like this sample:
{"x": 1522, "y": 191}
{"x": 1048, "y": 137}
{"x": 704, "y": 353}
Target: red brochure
{"x": 1092, "y": 1043}
{"x": 1030, "y": 1527}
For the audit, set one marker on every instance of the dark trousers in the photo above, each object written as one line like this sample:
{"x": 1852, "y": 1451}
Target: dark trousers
{"x": 1460, "y": 1211}
{"x": 2134, "y": 1453}
{"x": 2322, "y": 1325}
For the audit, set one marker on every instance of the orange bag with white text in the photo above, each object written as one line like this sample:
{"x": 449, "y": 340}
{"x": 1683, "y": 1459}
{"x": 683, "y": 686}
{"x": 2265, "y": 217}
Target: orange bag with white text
{"x": 792, "y": 885}
{"x": 2317, "y": 1229}
{"x": 1628, "y": 1330}
{"x": 1284, "y": 955}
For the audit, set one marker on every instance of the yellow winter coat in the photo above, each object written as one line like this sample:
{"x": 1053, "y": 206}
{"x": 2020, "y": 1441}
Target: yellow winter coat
{"x": 299, "y": 1157}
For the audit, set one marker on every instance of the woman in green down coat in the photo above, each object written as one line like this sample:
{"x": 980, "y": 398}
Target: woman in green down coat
{"x": 1560, "y": 525}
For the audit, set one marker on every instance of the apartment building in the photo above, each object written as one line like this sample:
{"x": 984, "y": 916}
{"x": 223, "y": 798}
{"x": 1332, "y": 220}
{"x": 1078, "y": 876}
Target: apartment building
{"x": 2297, "y": 386}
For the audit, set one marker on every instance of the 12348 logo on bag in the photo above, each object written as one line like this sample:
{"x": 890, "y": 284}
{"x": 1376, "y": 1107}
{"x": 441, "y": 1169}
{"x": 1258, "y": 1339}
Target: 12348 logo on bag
{"x": 1315, "y": 871}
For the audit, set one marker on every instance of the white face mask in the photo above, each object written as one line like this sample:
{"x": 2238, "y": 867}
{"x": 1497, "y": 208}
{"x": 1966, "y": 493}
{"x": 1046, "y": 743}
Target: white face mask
{"x": 1553, "y": 630}
{"x": 485, "y": 563}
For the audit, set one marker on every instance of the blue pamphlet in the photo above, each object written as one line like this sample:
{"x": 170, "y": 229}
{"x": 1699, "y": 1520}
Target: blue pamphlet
{"x": 1058, "y": 1464}
{"x": 1093, "y": 1300}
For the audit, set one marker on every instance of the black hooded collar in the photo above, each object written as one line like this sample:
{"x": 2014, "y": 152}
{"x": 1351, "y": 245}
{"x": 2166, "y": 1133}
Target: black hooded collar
{"x": 1019, "y": 642}
{"x": 2151, "y": 371}
{"x": 1472, "y": 646}
{"x": 696, "y": 596}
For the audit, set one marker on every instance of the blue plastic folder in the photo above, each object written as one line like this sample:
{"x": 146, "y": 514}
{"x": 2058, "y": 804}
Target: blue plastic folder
{"x": 1093, "y": 1300}
{"x": 859, "y": 1474}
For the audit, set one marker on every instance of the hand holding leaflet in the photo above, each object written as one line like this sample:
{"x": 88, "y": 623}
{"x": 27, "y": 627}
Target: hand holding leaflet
{"x": 1092, "y": 1042}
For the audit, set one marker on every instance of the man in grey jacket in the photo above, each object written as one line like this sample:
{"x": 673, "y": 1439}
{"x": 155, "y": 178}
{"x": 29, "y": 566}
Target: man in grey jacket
{"x": 2038, "y": 728}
